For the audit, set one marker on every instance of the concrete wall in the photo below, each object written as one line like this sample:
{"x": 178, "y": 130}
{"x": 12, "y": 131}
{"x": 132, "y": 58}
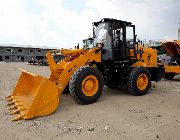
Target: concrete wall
{"x": 13, "y": 54}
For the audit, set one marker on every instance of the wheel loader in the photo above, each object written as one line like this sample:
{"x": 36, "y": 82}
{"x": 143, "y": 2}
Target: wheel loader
{"x": 114, "y": 59}
{"x": 172, "y": 49}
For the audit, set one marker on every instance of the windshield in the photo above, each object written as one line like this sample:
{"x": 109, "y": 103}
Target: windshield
{"x": 101, "y": 35}
{"x": 101, "y": 32}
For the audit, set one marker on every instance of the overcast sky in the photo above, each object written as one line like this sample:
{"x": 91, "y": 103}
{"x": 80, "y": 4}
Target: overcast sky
{"x": 64, "y": 23}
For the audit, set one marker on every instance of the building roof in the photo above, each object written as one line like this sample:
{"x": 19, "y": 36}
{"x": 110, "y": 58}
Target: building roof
{"x": 24, "y": 46}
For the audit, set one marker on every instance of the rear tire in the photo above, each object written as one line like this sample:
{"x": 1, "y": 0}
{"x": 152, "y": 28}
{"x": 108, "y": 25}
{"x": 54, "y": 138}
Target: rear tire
{"x": 178, "y": 61}
{"x": 169, "y": 76}
{"x": 134, "y": 86}
{"x": 77, "y": 85}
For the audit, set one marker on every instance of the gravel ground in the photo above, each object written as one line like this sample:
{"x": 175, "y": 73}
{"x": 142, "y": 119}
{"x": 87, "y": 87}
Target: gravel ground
{"x": 116, "y": 115}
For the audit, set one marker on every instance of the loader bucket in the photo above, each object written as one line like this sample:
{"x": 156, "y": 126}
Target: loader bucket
{"x": 33, "y": 96}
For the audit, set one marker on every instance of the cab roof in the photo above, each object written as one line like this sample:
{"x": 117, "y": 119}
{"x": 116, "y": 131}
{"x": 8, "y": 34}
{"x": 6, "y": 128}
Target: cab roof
{"x": 111, "y": 20}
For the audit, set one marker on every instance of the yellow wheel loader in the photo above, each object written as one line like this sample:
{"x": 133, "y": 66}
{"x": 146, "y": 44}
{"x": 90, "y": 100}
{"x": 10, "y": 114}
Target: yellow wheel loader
{"x": 114, "y": 59}
{"x": 173, "y": 67}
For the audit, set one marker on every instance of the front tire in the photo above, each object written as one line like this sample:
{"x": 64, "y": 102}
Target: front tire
{"x": 139, "y": 81}
{"x": 86, "y": 85}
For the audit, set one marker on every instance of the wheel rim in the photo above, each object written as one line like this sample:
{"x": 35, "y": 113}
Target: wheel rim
{"x": 90, "y": 85}
{"x": 142, "y": 81}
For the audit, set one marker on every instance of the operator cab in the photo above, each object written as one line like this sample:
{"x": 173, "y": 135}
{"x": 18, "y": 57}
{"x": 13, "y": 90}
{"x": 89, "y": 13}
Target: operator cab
{"x": 88, "y": 43}
{"x": 117, "y": 36}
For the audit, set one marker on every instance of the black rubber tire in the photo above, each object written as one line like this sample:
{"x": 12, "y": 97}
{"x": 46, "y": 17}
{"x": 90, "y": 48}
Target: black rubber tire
{"x": 132, "y": 81}
{"x": 178, "y": 61}
{"x": 75, "y": 85}
{"x": 169, "y": 76}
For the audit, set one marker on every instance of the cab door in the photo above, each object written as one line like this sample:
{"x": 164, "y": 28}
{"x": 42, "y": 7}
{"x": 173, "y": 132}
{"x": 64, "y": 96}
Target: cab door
{"x": 119, "y": 44}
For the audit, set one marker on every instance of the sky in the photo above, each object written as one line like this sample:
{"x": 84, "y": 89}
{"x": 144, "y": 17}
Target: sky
{"x": 65, "y": 23}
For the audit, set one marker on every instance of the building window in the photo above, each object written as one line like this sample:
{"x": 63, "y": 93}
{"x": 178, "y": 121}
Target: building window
{"x": 9, "y": 50}
{"x": 31, "y": 50}
{"x": 39, "y": 50}
{"x": 18, "y": 57}
{"x": 39, "y": 57}
{"x": 19, "y": 50}
{"x": 6, "y": 57}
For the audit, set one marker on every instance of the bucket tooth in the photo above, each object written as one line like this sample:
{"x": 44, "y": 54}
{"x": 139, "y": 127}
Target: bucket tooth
{"x": 10, "y": 103}
{"x": 11, "y": 98}
{"x": 14, "y": 97}
{"x": 8, "y": 97}
{"x": 16, "y": 102}
{"x": 20, "y": 117}
{"x": 13, "y": 107}
{"x": 14, "y": 112}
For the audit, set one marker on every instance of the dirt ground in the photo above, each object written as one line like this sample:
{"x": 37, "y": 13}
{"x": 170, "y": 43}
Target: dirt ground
{"x": 117, "y": 115}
